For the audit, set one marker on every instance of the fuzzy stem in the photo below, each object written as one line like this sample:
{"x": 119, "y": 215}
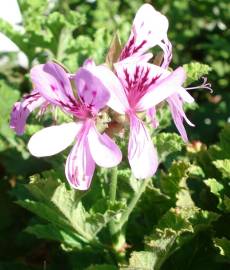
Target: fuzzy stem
{"x": 113, "y": 186}
{"x": 117, "y": 237}
{"x": 112, "y": 196}
{"x": 133, "y": 203}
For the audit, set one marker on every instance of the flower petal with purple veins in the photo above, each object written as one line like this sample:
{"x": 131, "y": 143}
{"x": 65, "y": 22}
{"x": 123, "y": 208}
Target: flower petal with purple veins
{"x": 103, "y": 149}
{"x": 137, "y": 79}
{"x": 166, "y": 46}
{"x": 80, "y": 166}
{"x": 162, "y": 90}
{"x": 141, "y": 153}
{"x": 91, "y": 89}
{"x": 53, "y": 83}
{"x": 21, "y": 110}
{"x": 148, "y": 29}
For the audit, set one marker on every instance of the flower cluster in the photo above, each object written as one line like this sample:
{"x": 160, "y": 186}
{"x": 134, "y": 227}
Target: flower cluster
{"x": 133, "y": 86}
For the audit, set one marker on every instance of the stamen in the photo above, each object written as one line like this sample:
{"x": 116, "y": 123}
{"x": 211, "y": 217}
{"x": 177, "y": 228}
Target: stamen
{"x": 204, "y": 85}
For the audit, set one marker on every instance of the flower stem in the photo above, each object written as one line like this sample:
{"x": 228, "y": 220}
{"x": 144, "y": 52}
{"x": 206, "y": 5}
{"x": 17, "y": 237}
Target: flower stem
{"x": 132, "y": 204}
{"x": 113, "y": 186}
{"x": 117, "y": 237}
{"x": 112, "y": 196}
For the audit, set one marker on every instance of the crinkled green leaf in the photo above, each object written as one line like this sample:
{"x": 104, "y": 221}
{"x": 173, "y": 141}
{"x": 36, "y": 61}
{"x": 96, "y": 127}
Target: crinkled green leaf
{"x": 196, "y": 171}
{"x": 27, "y": 6}
{"x": 215, "y": 186}
{"x": 223, "y": 166}
{"x": 174, "y": 184}
{"x": 174, "y": 229}
{"x": 195, "y": 71}
{"x": 202, "y": 220}
{"x": 220, "y": 191}
{"x": 170, "y": 182}
{"x": 143, "y": 260}
{"x": 49, "y": 31}
{"x": 167, "y": 143}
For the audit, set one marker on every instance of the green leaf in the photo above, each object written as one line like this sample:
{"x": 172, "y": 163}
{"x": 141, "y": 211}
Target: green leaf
{"x": 27, "y": 6}
{"x": 202, "y": 220}
{"x": 61, "y": 207}
{"x": 217, "y": 189}
{"x": 170, "y": 182}
{"x": 174, "y": 184}
{"x": 52, "y": 232}
{"x": 174, "y": 229}
{"x": 196, "y": 171}
{"x": 167, "y": 143}
{"x": 223, "y": 166}
{"x": 195, "y": 71}
{"x": 223, "y": 244}
{"x": 215, "y": 186}
{"x": 144, "y": 260}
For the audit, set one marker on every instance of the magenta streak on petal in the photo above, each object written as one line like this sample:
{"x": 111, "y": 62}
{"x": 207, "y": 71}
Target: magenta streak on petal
{"x": 127, "y": 51}
{"x": 138, "y": 86}
{"x": 53, "y": 87}
{"x": 167, "y": 48}
{"x": 76, "y": 107}
{"x": 80, "y": 110}
{"x": 80, "y": 164}
{"x": 92, "y": 94}
{"x": 136, "y": 49}
{"x": 130, "y": 48}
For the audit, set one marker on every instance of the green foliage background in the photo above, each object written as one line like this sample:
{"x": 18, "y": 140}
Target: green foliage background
{"x": 182, "y": 220}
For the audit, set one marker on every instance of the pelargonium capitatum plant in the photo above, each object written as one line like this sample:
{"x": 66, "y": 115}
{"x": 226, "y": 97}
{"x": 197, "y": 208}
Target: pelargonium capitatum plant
{"x": 131, "y": 87}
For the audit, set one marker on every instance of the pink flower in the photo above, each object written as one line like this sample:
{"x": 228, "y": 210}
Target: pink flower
{"x": 137, "y": 88}
{"x": 90, "y": 147}
{"x": 148, "y": 30}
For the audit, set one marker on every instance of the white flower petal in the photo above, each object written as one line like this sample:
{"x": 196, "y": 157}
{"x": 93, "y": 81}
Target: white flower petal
{"x": 52, "y": 140}
{"x": 103, "y": 149}
{"x": 141, "y": 152}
